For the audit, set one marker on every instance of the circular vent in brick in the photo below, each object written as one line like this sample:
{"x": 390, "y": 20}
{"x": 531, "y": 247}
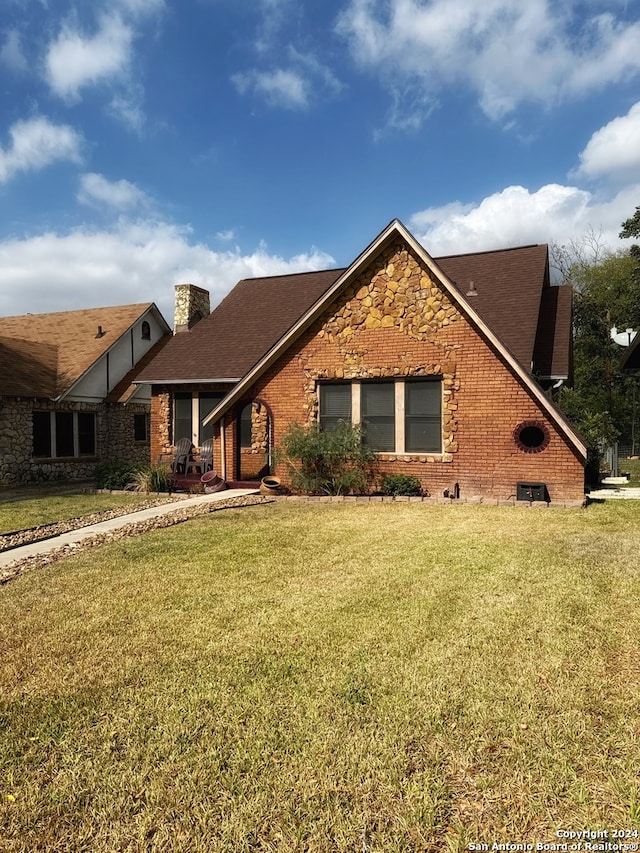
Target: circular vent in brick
{"x": 531, "y": 436}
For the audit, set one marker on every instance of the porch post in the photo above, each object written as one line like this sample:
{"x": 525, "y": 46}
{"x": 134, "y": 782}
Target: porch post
{"x": 223, "y": 451}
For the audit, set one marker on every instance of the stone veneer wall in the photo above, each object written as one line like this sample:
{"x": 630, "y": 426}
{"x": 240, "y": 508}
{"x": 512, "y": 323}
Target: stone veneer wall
{"x": 395, "y": 321}
{"x": 190, "y": 302}
{"x": 115, "y": 438}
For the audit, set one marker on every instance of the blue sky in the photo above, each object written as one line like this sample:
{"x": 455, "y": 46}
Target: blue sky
{"x": 144, "y": 143}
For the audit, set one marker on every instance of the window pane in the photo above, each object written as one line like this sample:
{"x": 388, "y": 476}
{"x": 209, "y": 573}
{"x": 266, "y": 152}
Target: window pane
{"x": 423, "y": 420}
{"x": 182, "y": 417}
{"x": 64, "y": 434}
{"x": 246, "y": 426}
{"x": 140, "y": 428}
{"x": 42, "y": 434}
{"x": 86, "y": 434}
{"x": 335, "y": 405}
{"x": 206, "y": 404}
{"x": 377, "y": 401}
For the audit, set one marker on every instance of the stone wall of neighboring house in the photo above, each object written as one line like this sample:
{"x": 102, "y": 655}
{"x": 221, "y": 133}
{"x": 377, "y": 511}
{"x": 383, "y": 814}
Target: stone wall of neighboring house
{"x": 395, "y": 322}
{"x": 115, "y": 438}
{"x": 120, "y": 436}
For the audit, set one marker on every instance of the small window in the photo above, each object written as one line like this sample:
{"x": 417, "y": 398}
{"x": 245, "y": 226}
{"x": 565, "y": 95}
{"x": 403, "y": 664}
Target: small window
{"x": 146, "y": 331}
{"x": 531, "y": 437}
{"x": 335, "y": 405}
{"x": 141, "y": 427}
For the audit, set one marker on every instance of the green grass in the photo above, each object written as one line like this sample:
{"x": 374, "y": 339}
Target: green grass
{"x": 336, "y": 677}
{"x": 19, "y": 515}
{"x": 631, "y": 466}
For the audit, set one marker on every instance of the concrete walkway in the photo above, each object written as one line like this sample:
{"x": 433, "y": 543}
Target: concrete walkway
{"x": 629, "y": 493}
{"x": 74, "y": 537}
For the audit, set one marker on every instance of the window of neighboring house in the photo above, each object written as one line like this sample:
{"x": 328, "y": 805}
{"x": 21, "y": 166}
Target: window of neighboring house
{"x": 141, "y": 427}
{"x": 64, "y": 434}
{"x": 189, "y": 410}
{"x": 146, "y": 331}
{"x": 398, "y": 416}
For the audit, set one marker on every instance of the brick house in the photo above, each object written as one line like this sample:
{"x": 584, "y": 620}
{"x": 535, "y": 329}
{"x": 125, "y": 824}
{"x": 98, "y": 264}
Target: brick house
{"x": 67, "y": 400}
{"x": 449, "y": 363}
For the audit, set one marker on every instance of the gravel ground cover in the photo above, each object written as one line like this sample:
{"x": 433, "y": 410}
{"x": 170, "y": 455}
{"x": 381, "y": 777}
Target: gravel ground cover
{"x": 181, "y": 514}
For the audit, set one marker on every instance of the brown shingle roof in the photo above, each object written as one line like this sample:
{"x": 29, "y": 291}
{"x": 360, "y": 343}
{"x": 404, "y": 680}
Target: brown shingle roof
{"x": 258, "y": 312}
{"x": 509, "y": 285}
{"x": 27, "y": 368}
{"x": 247, "y": 323}
{"x": 64, "y": 345}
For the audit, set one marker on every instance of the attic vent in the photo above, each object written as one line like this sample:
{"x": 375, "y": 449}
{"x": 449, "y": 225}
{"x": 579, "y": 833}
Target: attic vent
{"x": 100, "y": 334}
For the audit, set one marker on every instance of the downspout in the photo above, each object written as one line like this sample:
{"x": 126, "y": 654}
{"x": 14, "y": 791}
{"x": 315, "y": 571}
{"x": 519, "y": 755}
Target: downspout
{"x": 223, "y": 451}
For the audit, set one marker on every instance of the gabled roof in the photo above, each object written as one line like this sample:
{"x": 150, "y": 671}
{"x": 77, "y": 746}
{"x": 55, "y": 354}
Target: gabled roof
{"x": 51, "y": 352}
{"x": 512, "y": 287}
{"x": 394, "y": 230}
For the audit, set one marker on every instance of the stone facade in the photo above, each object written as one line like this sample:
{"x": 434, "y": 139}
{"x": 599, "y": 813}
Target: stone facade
{"x": 115, "y": 438}
{"x": 191, "y": 304}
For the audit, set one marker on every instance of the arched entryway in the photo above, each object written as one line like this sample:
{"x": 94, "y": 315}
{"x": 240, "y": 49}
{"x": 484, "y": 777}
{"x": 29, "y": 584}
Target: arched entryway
{"x": 253, "y": 442}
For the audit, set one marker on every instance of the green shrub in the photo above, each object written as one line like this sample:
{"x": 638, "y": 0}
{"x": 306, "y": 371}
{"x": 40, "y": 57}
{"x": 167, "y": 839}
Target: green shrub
{"x": 152, "y": 478}
{"x": 400, "y": 484}
{"x": 334, "y": 462}
{"x": 115, "y": 474}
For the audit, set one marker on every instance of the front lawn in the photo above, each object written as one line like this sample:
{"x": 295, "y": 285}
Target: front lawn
{"x": 327, "y": 677}
{"x": 32, "y": 512}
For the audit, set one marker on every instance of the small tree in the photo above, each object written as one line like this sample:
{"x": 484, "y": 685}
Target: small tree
{"x": 332, "y": 462}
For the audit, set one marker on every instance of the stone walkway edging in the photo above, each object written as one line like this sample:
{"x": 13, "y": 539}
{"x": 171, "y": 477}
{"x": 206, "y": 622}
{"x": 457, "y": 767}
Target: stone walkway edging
{"x": 433, "y": 501}
{"x": 46, "y": 553}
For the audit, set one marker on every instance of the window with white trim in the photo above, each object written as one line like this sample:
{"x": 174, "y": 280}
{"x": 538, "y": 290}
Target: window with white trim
{"x": 64, "y": 434}
{"x": 398, "y": 416}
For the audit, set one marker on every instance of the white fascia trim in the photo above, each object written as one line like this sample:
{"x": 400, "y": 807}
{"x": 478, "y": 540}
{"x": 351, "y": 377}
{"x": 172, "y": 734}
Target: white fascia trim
{"x": 185, "y": 381}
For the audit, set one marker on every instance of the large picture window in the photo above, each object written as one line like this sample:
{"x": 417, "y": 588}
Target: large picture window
{"x": 398, "y": 416}
{"x": 64, "y": 434}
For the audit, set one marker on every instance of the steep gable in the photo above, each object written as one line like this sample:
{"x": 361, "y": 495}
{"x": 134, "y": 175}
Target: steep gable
{"x": 64, "y": 345}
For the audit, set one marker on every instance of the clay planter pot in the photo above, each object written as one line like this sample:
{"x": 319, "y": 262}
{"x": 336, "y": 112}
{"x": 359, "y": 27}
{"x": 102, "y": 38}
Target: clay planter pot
{"x": 212, "y": 483}
{"x": 270, "y": 486}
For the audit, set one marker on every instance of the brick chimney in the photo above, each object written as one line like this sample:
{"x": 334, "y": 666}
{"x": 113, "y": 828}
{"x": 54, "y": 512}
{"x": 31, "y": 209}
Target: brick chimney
{"x": 191, "y": 305}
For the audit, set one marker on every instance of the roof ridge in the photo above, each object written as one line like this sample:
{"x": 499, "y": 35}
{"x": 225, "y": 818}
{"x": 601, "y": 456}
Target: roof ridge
{"x": 291, "y": 274}
{"x": 490, "y": 251}
{"x": 76, "y": 310}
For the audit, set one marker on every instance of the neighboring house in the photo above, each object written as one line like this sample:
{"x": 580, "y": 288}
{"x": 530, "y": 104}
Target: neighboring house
{"x": 446, "y": 362}
{"x": 66, "y": 395}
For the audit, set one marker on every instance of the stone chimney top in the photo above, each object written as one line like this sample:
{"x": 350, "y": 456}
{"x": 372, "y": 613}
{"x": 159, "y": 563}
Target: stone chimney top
{"x": 191, "y": 305}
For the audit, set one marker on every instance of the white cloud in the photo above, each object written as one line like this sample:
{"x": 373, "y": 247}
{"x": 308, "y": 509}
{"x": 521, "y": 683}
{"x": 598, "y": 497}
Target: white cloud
{"x": 75, "y": 61}
{"x": 11, "y": 54}
{"x": 614, "y": 151}
{"x": 36, "y": 143}
{"x": 506, "y": 51}
{"x": 515, "y": 216}
{"x": 133, "y": 262}
{"x": 97, "y": 191}
{"x": 281, "y": 87}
